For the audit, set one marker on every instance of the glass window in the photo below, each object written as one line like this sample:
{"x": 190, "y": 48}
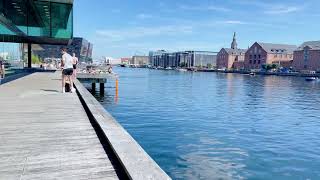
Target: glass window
{"x": 250, "y": 61}
{"x": 61, "y": 20}
{"x": 37, "y": 18}
{"x": 254, "y": 62}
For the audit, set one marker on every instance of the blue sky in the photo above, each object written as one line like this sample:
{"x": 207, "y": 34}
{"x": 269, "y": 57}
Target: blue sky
{"x": 122, "y": 28}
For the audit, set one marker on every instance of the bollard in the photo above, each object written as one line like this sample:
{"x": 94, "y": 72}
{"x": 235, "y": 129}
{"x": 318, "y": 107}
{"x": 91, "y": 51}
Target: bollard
{"x": 117, "y": 92}
{"x": 117, "y": 86}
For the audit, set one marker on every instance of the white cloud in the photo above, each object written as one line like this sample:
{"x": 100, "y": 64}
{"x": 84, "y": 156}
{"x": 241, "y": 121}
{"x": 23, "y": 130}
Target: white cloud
{"x": 204, "y": 8}
{"x": 126, "y": 34}
{"x": 282, "y": 10}
{"x": 144, "y": 16}
{"x": 233, "y": 22}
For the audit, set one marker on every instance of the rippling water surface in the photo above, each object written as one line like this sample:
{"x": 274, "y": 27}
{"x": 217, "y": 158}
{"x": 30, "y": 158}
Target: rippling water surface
{"x": 221, "y": 126}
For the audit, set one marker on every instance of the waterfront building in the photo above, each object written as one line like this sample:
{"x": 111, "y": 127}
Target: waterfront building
{"x": 267, "y": 53}
{"x": 139, "y": 60}
{"x": 111, "y": 61}
{"x": 188, "y": 59}
{"x": 36, "y": 22}
{"x": 307, "y": 57}
{"x": 231, "y": 58}
{"x": 203, "y": 58}
{"x": 125, "y": 60}
{"x": 155, "y": 57}
{"x": 80, "y": 46}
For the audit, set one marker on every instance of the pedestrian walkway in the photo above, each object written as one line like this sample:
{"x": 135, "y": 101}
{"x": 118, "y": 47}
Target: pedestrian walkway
{"x": 45, "y": 134}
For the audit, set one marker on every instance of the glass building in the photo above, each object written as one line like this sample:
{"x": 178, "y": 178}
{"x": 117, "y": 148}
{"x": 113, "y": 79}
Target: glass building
{"x": 80, "y": 46}
{"x": 188, "y": 59}
{"x": 36, "y": 22}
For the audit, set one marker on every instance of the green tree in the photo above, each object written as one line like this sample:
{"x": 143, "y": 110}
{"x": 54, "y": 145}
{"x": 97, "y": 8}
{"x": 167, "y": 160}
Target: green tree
{"x": 183, "y": 64}
{"x": 35, "y": 59}
{"x": 209, "y": 66}
{"x": 274, "y": 66}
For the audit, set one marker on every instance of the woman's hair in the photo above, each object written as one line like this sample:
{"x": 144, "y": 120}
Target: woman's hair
{"x": 64, "y": 49}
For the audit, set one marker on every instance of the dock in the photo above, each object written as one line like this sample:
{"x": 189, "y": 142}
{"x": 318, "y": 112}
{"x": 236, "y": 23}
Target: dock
{"x": 45, "y": 134}
{"x": 96, "y": 78}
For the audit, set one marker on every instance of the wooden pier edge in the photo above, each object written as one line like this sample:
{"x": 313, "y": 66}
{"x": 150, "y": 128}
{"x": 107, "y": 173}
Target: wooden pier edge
{"x": 136, "y": 162}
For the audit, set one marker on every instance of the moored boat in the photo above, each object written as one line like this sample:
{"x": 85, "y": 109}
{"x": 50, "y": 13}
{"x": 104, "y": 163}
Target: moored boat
{"x": 311, "y": 78}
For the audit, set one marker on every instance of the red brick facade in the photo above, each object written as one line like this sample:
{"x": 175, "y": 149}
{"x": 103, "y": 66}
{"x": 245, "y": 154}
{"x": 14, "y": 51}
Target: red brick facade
{"x": 307, "y": 57}
{"x": 265, "y": 53}
{"x": 229, "y": 58}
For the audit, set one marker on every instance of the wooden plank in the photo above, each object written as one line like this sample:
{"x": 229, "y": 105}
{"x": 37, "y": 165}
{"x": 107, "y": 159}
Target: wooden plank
{"x": 45, "y": 134}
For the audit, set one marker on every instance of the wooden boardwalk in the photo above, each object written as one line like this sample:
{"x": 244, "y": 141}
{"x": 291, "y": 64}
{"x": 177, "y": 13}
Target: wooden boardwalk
{"x": 45, "y": 134}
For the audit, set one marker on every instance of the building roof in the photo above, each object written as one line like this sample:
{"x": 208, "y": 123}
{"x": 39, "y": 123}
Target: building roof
{"x": 314, "y": 45}
{"x": 277, "y": 48}
{"x": 235, "y": 51}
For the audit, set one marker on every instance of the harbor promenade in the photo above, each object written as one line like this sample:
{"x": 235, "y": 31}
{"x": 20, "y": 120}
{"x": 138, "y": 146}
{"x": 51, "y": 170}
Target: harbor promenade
{"x": 45, "y": 134}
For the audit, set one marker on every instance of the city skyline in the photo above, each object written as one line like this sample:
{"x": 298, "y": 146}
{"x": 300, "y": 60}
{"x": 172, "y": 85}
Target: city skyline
{"x": 126, "y": 28}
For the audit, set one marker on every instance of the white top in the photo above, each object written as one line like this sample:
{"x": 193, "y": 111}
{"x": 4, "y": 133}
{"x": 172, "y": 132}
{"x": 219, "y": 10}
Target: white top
{"x": 67, "y": 61}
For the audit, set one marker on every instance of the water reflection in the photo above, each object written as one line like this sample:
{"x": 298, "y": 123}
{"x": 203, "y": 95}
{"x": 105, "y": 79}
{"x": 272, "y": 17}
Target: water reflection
{"x": 221, "y": 126}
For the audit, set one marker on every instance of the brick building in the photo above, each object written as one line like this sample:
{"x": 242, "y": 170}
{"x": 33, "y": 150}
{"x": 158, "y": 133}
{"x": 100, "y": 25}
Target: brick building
{"x": 307, "y": 57}
{"x": 267, "y": 53}
{"x": 231, "y": 58}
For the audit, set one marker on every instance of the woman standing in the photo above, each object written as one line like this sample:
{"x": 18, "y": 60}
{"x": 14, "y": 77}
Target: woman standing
{"x": 74, "y": 63}
{"x": 2, "y": 70}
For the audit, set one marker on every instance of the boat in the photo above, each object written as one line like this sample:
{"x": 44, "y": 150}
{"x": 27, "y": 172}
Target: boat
{"x": 168, "y": 68}
{"x": 252, "y": 74}
{"x": 123, "y": 65}
{"x": 311, "y": 78}
{"x": 182, "y": 70}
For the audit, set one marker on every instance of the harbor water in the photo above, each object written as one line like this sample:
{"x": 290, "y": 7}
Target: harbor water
{"x": 221, "y": 126}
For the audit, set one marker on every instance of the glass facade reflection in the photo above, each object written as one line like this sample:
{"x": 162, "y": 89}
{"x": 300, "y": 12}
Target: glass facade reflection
{"x": 80, "y": 46}
{"x": 44, "y": 20}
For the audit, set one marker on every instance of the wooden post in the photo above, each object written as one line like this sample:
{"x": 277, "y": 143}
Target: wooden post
{"x": 117, "y": 87}
{"x": 117, "y": 93}
{"x": 101, "y": 88}
{"x": 93, "y": 87}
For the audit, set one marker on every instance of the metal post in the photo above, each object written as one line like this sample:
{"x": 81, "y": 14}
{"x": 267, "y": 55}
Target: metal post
{"x": 29, "y": 56}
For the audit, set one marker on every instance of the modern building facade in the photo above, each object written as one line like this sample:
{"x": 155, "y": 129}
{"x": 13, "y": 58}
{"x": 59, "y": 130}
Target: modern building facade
{"x": 80, "y": 46}
{"x": 36, "y": 22}
{"x": 231, "y": 58}
{"x": 139, "y": 60}
{"x": 267, "y": 53}
{"x": 307, "y": 57}
{"x": 188, "y": 59}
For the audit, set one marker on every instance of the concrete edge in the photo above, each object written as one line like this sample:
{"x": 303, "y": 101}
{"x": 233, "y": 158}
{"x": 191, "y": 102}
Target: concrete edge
{"x": 14, "y": 77}
{"x": 135, "y": 161}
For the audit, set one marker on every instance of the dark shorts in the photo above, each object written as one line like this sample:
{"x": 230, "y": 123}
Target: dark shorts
{"x": 67, "y": 72}
{"x": 74, "y": 66}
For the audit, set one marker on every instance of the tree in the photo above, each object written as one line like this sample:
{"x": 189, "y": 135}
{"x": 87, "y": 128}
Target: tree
{"x": 209, "y": 66}
{"x": 35, "y": 59}
{"x": 274, "y": 66}
{"x": 268, "y": 67}
{"x": 183, "y": 64}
